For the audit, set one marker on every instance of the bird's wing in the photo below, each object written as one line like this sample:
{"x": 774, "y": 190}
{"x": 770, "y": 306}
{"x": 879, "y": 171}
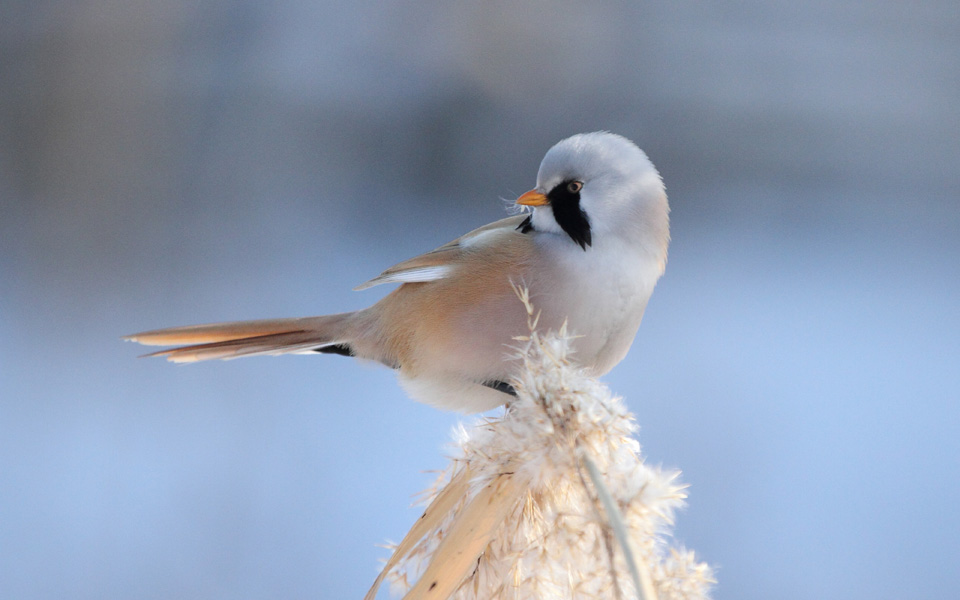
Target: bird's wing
{"x": 439, "y": 263}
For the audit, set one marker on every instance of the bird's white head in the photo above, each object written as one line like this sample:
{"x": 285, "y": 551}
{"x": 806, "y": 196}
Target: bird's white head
{"x": 594, "y": 185}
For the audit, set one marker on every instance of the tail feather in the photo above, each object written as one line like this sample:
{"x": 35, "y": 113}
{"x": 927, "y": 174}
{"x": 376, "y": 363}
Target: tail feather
{"x": 247, "y": 338}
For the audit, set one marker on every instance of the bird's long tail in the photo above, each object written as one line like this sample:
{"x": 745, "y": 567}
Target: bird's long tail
{"x": 329, "y": 333}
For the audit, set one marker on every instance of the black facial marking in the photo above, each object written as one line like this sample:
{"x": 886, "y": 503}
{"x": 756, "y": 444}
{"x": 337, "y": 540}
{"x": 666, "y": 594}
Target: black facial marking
{"x": 570, "y": 217}
{"x": 527, "y": 225}
{"x": 341, "y": 349}
{"x": 501, "y": 386}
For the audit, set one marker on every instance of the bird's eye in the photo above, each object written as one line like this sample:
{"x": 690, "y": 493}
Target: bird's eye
{"x": 574, "y": 187}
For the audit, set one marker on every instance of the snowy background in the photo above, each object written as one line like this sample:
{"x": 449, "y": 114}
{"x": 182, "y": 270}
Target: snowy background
{"x": 167, "y": 163}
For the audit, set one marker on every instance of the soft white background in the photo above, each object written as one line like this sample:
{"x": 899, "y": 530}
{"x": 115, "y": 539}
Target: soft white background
{"x": 166, "y": 163}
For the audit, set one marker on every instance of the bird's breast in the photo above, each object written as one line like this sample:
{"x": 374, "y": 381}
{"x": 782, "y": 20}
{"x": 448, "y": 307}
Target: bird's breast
{"x": 601, "y": 293}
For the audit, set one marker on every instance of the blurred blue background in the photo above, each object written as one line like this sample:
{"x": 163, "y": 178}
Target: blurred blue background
{"x": 167, "y": 163}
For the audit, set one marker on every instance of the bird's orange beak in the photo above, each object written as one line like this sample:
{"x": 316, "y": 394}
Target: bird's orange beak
{"x": 533, "y": 198}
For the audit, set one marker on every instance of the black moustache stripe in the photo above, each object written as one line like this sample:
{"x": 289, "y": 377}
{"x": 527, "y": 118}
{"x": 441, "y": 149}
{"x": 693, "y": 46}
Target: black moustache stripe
{"x": 568, "y": 214}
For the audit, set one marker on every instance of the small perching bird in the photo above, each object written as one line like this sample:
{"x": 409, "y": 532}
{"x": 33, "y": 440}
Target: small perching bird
{"x": 590, "y": 254}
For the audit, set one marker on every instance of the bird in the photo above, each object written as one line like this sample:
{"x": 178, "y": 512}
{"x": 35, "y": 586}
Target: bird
{"x": 588, "y": 248}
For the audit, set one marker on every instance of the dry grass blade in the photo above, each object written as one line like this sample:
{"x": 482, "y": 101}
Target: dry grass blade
{"x": 446, "y": 500}
{"x": 638, "y": 570}
{"x": 467, "y": 537}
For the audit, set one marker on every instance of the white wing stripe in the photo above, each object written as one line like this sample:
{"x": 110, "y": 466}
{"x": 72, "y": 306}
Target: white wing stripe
{"x": 418, "y": 274}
